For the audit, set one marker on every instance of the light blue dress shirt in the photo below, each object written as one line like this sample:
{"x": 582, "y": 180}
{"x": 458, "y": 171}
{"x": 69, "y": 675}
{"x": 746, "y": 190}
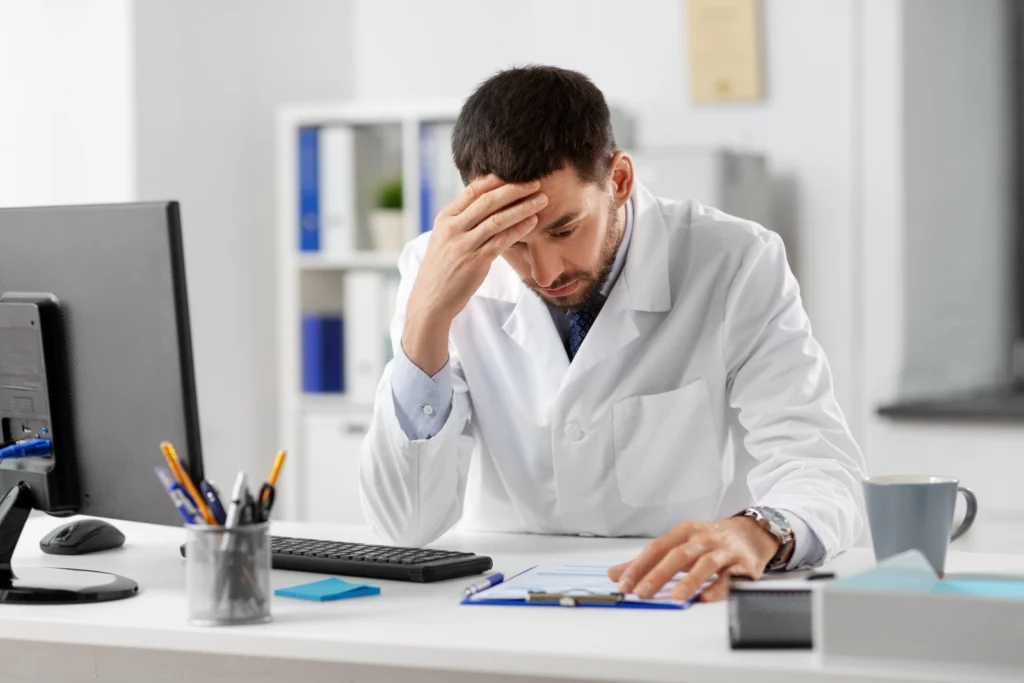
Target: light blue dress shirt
{"x": 423, "y": 403}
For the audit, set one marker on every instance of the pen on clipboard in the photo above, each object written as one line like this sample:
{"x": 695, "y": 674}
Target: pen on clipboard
{"x": 488, "y": 582}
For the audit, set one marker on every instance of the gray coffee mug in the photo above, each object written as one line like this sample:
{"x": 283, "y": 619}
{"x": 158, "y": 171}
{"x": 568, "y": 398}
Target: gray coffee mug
{"x": 916, "y": 512}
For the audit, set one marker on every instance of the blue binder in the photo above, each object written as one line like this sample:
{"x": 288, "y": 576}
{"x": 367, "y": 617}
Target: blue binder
{"x": 322, "y": 367}
{"x": 309, "y": 189}
{"x": 427, "y": 209}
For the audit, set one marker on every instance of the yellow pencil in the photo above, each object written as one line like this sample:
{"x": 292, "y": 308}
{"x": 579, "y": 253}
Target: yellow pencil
{"x": 275, "y": 472}
{"x": 186, "y": 482}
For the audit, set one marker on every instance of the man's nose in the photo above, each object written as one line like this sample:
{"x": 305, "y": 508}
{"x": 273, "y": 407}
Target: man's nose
{"x": 544, "y": 268}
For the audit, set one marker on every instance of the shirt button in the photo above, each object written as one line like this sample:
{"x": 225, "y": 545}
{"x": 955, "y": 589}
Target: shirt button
{"x": 573, "y": 431}
{"x": 428, "y": 410}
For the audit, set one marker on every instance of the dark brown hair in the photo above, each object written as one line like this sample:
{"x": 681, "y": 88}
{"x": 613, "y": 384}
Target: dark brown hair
{"x": 527, "y": 122}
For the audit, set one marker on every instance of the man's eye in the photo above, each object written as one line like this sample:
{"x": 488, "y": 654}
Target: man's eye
{"x": 562, "y": 235}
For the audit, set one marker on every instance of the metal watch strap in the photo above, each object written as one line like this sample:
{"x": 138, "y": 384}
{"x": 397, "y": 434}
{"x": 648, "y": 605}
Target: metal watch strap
{"x": 775, "y": 523}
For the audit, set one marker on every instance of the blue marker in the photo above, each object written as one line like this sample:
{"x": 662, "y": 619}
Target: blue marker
{"x": 488, "y": 582}
{"x": 213, "y": 502}
{"x": 178, "y": 496}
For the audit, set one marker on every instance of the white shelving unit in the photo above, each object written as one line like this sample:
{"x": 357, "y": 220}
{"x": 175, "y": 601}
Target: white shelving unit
{"x": 323, "y": 430}
{"x": 355, "y": 260}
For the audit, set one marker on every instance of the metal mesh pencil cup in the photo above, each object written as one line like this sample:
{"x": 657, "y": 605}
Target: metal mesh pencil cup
{"x": 227, "y": 574}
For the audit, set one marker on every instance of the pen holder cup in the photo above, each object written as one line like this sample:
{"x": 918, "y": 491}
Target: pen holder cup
{"x": 228, "y": 574}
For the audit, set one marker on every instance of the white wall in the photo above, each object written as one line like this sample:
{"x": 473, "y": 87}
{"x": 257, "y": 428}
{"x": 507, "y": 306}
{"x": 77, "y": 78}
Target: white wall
{"x": 987, "y": 458}
{"x": 209, "y": 77}
{"x": 65, "y": 102}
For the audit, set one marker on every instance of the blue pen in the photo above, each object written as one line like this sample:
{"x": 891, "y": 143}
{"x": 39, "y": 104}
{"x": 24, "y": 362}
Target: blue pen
{"x": 488, "y": 582}
{"x": 178, "y": 496}
{"x": 213, "y": 499}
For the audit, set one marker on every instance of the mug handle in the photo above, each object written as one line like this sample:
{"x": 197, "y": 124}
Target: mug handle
{"x": 972, "y": 512}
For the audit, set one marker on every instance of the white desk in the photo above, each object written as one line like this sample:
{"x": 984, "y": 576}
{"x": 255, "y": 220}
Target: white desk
{"x": 409, "y": 632}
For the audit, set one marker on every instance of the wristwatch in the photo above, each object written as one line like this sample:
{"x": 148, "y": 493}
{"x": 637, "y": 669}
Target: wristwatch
{"x": 772, "y": 521}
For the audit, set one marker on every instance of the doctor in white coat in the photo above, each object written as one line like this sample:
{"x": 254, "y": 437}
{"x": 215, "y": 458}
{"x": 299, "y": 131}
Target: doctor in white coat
{"x": 576, "y": 356}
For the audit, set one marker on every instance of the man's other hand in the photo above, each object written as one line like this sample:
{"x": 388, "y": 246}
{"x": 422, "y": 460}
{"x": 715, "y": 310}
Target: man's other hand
{"x": 702, "y": 549}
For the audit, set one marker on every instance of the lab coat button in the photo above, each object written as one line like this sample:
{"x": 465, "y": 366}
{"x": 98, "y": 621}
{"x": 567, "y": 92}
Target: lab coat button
{"x": 428, "y": 410}
{"x": 573, "y": 431}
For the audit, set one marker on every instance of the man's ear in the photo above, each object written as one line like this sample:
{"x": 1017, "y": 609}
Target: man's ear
{"x": 621, "y": 178}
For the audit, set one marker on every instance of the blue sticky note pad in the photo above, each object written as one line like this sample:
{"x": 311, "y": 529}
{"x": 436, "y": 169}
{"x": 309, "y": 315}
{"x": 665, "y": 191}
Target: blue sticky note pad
{"x": 1001, "y": 590}
{"x": 328, "y": 589}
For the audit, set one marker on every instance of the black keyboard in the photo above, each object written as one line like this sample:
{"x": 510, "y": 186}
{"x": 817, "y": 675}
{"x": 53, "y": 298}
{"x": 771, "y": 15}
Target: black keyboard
{"x": 372, "y": 561}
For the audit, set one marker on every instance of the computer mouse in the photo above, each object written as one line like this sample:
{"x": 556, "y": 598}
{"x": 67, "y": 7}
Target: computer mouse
{"x": 81, "y": 537}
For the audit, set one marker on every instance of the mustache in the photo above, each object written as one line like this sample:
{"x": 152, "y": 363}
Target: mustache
{"x": 564, "y": 279}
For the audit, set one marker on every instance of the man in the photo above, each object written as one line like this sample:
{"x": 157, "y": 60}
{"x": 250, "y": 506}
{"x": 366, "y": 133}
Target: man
{"x": 574, "y": 356}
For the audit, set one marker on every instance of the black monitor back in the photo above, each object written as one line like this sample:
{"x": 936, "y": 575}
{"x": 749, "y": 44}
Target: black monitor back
{"x": 118, "y": 272}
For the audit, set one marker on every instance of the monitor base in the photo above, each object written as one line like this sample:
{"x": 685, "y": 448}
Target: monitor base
{"x": 43, "y": 585}
{"x": 50, "y": 586}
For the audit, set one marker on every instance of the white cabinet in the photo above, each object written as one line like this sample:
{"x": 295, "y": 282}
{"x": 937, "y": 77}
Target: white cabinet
{"x": 330, "y": 466}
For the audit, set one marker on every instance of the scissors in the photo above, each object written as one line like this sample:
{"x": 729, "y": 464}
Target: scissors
{"x": 265, "y": 501}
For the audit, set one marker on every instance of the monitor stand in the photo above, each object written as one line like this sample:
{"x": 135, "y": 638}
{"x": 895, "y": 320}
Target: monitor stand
{"x": 44, "y": 585}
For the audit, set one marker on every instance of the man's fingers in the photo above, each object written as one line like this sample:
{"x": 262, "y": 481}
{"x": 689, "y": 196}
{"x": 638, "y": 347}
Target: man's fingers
{"x": 720, "y": 588}
{"x": 615, "y": 573}
{"x": 503, "y": 240}
{"x": 652, "y": 554}
{"x": 705, "y": 567}
{"x": 685, "y": 558}
{"x": 473, "y": 191}
{"x": 491, "y": 202}
{"x": 512, "y": 217}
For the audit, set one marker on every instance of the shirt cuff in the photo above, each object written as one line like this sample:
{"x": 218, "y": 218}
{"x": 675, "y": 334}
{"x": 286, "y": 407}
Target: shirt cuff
{"x": 422, "y": 403}
{"x": 808, "y": 552}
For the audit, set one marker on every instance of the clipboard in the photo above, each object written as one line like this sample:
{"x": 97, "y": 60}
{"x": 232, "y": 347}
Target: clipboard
{"x": 572, "y": 584}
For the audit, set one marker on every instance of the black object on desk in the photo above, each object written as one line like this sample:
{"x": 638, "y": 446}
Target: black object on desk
{"x": 422, "y": 565}
{"x": 773, "y": 613}
{"x": 81, "y": 537}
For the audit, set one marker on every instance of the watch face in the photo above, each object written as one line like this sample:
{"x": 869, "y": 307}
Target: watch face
{"x": 776, "y": 519}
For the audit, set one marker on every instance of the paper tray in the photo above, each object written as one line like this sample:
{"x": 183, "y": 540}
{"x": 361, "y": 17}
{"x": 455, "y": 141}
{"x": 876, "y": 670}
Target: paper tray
{"x": 896, "y": 612}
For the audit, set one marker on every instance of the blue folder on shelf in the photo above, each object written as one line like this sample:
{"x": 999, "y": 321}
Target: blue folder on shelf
{"x": 579, "y": 579}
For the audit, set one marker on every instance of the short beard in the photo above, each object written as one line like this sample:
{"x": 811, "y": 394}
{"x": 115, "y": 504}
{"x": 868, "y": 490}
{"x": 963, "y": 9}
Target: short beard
{"x": 590, "y": 284}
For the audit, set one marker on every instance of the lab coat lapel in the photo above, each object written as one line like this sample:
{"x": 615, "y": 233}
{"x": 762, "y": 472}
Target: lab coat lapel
{"x": 613, "y": 329}
{"x": 531, "y": 327}
{"x": 643, "y": 286}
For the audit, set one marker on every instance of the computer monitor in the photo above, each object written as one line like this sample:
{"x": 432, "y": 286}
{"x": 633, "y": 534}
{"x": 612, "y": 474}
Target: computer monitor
{"x": 117, "y": 274}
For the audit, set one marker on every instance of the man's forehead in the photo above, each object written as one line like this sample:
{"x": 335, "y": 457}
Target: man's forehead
{"x": 565, "y": 202}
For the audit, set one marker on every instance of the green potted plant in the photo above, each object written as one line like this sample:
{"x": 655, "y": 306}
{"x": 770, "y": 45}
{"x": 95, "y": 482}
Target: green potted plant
{"x": 387, "y": 220}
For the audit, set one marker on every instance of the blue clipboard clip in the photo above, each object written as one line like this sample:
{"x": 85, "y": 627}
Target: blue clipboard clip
{"x": 574, "y": 598}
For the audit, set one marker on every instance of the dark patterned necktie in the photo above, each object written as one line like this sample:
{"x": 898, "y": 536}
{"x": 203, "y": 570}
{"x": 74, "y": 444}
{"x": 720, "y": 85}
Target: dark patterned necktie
{"x": 580, "y": 322}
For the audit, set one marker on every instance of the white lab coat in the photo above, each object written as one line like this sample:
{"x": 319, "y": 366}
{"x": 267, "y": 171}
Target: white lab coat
{"x": 703, "y": 339}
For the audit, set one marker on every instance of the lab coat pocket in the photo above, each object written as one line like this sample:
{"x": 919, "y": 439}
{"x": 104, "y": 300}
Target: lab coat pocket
{"x": 666, "y": 449}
